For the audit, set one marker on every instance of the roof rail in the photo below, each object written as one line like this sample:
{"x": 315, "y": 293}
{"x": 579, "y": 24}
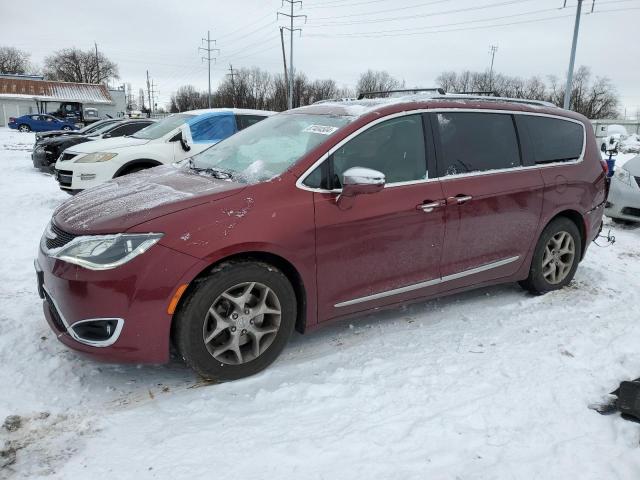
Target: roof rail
{"x": 483, "y": 93}
{"x": 407, "y": 90}
{"x": 333, "y": 100}
{"x": 460, "y": 96}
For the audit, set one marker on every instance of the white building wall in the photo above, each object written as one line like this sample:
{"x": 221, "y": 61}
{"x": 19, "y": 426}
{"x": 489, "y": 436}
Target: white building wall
{"x": 15, "y": 108}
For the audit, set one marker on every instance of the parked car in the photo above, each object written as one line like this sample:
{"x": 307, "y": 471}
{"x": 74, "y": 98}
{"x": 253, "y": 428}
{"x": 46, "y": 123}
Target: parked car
{"x": 623, "y": 204}
{"x": 46, "y": 152}
{"x": 318, "y": 214}
{"x": 83, "y": 131}
{"x": 39, "y": 123}
{"x": 170, "y": 140}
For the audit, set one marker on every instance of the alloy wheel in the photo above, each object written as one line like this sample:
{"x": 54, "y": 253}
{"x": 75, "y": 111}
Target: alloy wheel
{"x": 559, "y": 256}
{"x": 242, "y": 323}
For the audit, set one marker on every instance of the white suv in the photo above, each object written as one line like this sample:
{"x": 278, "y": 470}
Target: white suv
{"x": 173, "y": 139}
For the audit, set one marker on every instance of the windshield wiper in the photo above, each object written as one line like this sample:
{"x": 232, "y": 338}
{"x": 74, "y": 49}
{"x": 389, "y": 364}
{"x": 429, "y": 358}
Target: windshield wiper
{"x": 214, "y": 172}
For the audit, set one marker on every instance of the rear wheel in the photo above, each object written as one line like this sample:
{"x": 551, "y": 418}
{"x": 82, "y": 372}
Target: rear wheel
{"x": 556, "y": 257}
{"x": 66, "y": 129}
{"x": 24, "y": 128}
{"x": 236, "y": 321}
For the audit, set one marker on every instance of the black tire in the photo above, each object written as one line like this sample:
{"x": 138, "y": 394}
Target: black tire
{"x": 66, "y": 129}
{"x": 189, "y": 320}
{"x": 24, "y": 127}
{"x": 536, "y": 282}
{"x": 622, "y": 221}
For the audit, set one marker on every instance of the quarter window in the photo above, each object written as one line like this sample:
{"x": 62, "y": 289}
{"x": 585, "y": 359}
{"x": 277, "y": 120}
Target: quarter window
{"x": 395, "y": 148}
{"x": 553, "y": 139}
{"x": 476, "y": 142}
{"x": 245, "y": 121}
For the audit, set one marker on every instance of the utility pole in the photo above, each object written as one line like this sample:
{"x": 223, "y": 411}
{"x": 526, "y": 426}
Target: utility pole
{"x": 97, "y": 63}
{"x": 284, "y": 60}
{"x": 572, "y": 58}
{"x": 292, "y": 17}
{"x": 153, "y": 96}
{"x": 233, "y": 84}
{"x": 208, "y": 58}
{"x": 149, "y": 93}
{"x": 492, "y": 51}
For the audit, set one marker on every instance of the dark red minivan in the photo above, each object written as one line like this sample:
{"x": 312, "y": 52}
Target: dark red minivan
{"x": 317, "y": 214}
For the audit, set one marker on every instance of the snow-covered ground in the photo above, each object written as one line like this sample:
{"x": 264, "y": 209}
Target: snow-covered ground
{"x": 492, "y": 384}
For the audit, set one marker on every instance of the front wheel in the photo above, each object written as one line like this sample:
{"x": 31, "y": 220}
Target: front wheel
{"x": 556, "y": 257}
{"x": 236, "y": 321}
{"x": 24, "y": 128}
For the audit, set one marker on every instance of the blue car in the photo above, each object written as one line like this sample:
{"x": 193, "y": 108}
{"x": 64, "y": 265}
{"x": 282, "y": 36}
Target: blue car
{"x": 39, "y": 122}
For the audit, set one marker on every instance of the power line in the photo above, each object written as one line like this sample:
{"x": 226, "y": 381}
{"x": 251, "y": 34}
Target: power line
{"x": 479, "y": 27}
{"x": 341, "y": 3}
{"x": 425, "y": 29}
{"x": 407, "y": 7}
{"x": 423, "y": 15}
{"x": 291, "y": 30}
{"x": 208, "y": 58}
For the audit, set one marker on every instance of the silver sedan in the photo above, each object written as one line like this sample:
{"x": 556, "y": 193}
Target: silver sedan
{"x": 624, "y": 196}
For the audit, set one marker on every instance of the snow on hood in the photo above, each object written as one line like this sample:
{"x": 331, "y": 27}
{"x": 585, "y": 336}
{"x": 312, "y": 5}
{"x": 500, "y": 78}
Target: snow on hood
{"x": 127, "y": 201}
{"x": 632, "y": 166}
{"x": 108, "y": 144}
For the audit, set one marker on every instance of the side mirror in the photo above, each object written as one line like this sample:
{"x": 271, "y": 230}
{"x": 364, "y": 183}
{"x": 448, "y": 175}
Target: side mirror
{"x": 359, "y": 181}
{"x": 184, "y": 137}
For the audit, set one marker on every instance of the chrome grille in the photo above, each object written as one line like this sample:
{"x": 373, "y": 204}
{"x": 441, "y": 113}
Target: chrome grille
{"x": 56, "y": 238}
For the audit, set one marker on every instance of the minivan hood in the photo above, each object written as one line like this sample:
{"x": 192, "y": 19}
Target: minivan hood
{"x": 125, "y": 202}
{"x": 108, "y": 144}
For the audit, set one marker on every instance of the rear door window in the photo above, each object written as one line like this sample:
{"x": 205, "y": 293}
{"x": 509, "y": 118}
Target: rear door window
{"x": 213, "y": 128}
{"x": 470, "y": 142}
{"x": 553, "y": 139}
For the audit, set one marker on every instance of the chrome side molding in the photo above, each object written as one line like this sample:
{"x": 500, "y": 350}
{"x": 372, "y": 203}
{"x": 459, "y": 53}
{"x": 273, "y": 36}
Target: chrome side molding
{"x": 429, "y": 283}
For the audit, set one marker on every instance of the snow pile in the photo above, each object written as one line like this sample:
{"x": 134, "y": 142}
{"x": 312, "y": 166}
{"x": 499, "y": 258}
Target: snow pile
{"x": 490, "y": 384}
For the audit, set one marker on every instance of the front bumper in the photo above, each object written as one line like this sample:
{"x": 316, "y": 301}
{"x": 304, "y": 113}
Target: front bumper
{"x": 135, "y": 296}
{"x": 75, "y": 177}
{"x": 43, "y": 160}
{"x": 624, "y": 200}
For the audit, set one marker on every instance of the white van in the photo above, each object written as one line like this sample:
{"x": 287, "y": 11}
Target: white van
{"x": 170, "y": 140}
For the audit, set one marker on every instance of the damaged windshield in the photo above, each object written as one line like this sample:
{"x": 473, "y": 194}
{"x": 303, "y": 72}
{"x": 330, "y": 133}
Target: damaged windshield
{"x": 270, "y": 147}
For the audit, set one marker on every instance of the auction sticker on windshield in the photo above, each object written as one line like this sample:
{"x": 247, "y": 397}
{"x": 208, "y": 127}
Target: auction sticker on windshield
{"x": 321, "y": 129}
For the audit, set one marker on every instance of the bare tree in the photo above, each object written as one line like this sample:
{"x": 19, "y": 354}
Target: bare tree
{"x": 187, "y": 98}
{"x": 75, "y": 65}
{"x": 15, "y": 61}
{"x": 322, "y": 90}
{"x": 377, "y": 81}
{"x": 593, "y": 99}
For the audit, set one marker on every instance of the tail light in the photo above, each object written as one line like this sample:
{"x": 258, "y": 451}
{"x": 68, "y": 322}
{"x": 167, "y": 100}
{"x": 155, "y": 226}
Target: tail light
{"x": 12, "y": 119}
{"x": 605, "y": 167}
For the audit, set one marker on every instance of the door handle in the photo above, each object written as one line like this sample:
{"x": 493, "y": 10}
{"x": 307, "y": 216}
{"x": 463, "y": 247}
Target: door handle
{"x": 429, "y": 206}
{"x": 459, "y": 199}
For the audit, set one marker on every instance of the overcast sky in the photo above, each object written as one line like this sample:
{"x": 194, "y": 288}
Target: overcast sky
{"x": 414, "y": 40}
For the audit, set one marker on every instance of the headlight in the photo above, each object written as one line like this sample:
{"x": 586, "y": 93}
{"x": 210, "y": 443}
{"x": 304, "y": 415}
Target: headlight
{"x": 623, "y": 175}
{"x": 96, "y": 157}
{"x": 104, "y": 252}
